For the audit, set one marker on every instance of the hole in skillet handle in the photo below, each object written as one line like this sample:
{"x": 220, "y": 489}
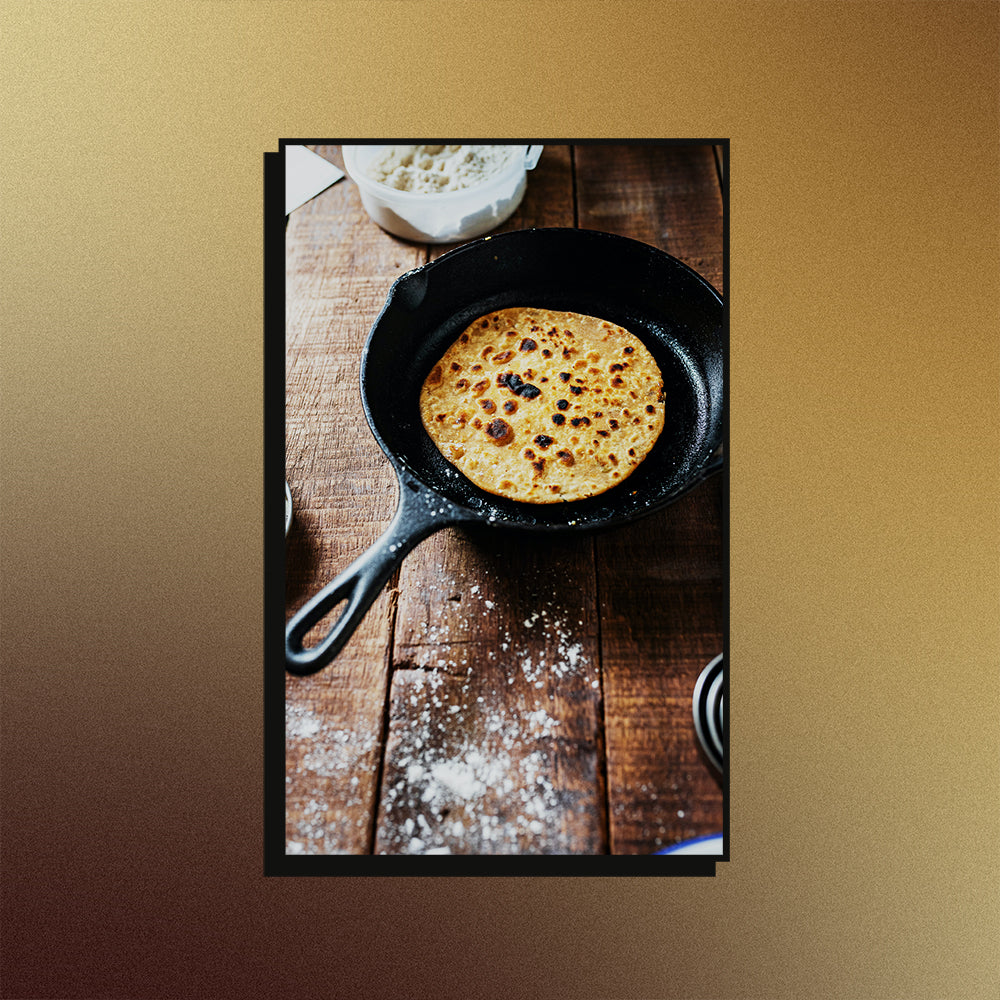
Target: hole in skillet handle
{"x": 338, "y": 607}
{"x": 321, "y": 629}
{"x": 419, "y": 513}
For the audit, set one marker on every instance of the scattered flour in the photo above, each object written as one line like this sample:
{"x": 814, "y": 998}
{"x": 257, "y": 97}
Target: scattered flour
{"x": 485, "y": 783}
{"x": 493, "y": 802}
{"x": 329, "y": 785}
{"x": 474, "y": 769}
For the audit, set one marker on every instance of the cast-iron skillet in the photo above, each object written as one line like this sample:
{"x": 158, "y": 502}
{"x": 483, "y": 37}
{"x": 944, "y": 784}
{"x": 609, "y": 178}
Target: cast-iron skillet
{"x": 674, "y": 311}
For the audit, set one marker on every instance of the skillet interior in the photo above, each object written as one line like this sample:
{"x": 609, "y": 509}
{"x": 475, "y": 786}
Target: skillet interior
{"x": 674, "y": 311}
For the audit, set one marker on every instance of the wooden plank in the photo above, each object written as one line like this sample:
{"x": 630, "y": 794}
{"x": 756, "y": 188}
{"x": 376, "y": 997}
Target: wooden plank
{"x": 667, "y": 196}
{"x": 339, "y": 269}
{"x": 659, "y": 580}
{"x": 495, "y": 741}
{"x": 662, "y": 620}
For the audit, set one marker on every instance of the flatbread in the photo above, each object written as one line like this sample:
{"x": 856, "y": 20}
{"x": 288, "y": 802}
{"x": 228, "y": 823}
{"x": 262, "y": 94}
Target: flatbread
{"x": 542, "y": 406}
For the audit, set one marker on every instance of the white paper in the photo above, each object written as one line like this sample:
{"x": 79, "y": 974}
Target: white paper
{"x": 306, "y": 174}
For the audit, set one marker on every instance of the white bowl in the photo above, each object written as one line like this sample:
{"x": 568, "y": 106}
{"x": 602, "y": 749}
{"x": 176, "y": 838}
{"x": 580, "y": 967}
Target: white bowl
{"x": 441, "y": 217}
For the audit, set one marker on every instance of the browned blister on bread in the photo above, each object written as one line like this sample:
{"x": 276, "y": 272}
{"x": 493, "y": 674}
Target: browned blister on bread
{"x": 568, "y": 405}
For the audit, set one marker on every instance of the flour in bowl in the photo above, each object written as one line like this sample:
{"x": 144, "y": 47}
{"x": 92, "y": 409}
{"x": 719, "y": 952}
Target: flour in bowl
{"x": 437, "y": 169}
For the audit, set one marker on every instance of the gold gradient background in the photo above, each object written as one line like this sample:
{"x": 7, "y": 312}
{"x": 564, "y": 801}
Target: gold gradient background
{"x": 864, "y": 516}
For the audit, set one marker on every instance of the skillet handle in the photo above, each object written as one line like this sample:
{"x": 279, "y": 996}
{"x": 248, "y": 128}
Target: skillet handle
{"x": 418, "y": 514}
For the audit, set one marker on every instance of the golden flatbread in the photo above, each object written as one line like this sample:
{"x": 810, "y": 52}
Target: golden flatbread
{"x": 542, "y": 406}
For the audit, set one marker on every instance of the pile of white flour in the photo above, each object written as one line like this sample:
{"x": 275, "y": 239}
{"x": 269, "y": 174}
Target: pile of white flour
{"x": 436, "y": 169}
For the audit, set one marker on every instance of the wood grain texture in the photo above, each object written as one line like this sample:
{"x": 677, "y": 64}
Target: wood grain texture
{"x": 660, "y": 579}
{"x": 339, "y": 269}
{"x": 661, "y": 623}
{"x": 495, "y": 730}
{"x": 667, "y": 196}
{"x": 507, "y": 694}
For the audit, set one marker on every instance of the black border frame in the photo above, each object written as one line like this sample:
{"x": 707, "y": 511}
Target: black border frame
{"x": 275, "y": 861}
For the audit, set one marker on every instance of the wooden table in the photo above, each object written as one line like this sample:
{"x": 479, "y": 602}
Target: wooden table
{"x": 499, "y": 697}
